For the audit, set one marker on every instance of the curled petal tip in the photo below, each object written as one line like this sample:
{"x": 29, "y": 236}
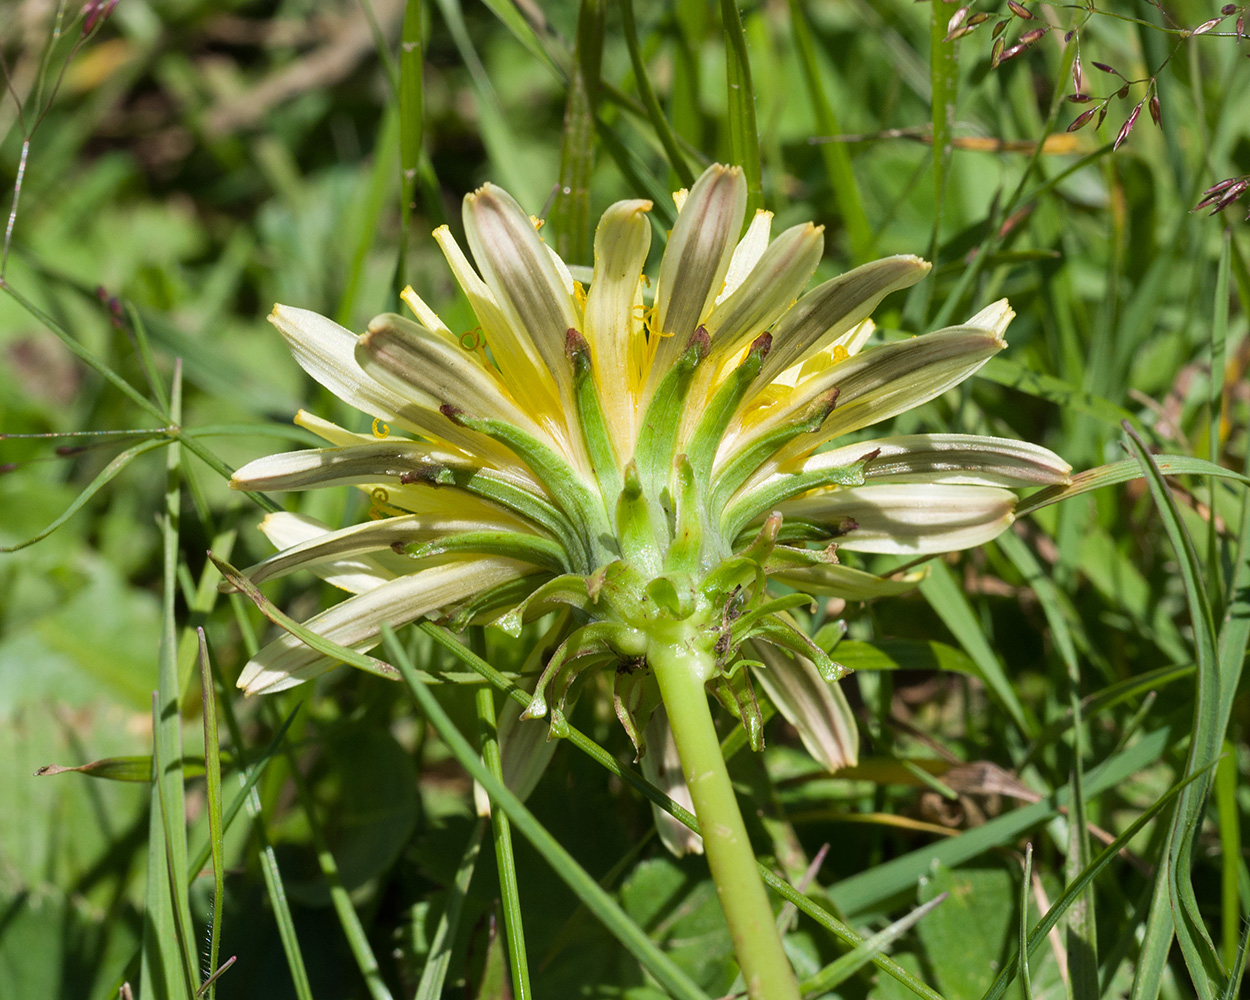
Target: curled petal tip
{"x": 487, "y": 191}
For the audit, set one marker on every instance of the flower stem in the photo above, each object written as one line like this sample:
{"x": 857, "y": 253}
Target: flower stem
{"x": 681, "y": 669}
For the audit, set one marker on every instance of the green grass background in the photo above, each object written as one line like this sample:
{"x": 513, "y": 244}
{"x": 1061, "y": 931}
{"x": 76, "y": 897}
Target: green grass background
{"x": 198, "y": 161}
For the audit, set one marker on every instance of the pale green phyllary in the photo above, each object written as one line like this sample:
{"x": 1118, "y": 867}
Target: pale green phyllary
{"x": 643, "y": 465}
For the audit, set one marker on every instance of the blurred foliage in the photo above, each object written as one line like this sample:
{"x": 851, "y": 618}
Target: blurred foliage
{"x": 190, "y": 163}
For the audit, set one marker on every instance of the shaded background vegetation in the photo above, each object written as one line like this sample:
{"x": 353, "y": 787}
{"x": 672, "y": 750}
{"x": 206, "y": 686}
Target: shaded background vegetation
{"x": 190, "y": 163}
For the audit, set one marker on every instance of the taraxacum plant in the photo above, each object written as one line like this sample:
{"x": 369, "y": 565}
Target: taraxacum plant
{"x": 645, "y": 466}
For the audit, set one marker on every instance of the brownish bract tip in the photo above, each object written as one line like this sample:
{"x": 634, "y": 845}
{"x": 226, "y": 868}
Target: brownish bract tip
{"x": 700, "y": 342}
{"x": 830, "y": 399}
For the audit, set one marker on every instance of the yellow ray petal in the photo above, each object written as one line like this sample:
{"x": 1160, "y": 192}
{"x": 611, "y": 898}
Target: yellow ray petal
{"x": 519, "y": 363}
{"x": 747, "y": 253}
{"x": 613, "y": 314}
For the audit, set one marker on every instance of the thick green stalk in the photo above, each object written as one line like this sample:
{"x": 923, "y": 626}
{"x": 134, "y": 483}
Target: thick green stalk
{"x": 682, "y": 666}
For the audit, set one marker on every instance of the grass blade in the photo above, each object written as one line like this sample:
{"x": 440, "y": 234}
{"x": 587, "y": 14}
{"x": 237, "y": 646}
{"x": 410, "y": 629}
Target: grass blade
{"x": 353, "y": 929}
{"x": 948, "y": 601}
{"x": 84, "y": 355}
{"x": 690, "y": 20}
{"x": 1081, "y": 882}
{"x": 501, "y": 828}
{"x": 136, "y": 768}
{"x": 1230, "y": 850}
{"x": 569, "y": 217}
{"x": 179, "y": 928}
{"x": 247, "y": 782}
{"x": 345, "y": 910}
{"x": 586, "y": 888}
{"x": 1235, "y": 627}
{"x": 640, "y": 178}
{"x": 655, "y": 113}
{"x": 435, "y": 972}
{"x": 1022, "y": 953}
{"x": 1230, "y": 650}
{"x": 370, "y": 203}
{"x": 744, "y": 136}
{"x": 1110, "y": 696}
{"x": 867, "y": 889}
{"x": 836, "y": 158}
{"x": 274, "y": 887}
{"x": 838, "y": 972}
{"x": 143, "y": 347}
{"x": 944, "y": 79}
{"x": 1122, "y": 472}
{"x": 411, "y": 123}
{"x": 496, "y": 133}
{"x": 597, "y": 753}
{"x": 1215, "y": 402}
{"x": 1207, "y": 737}
{"x": 1016, "y": 375}
{"x": 509, "y": 12}
{"x": 1232, "y": 988}
{"x": 212, "y": 775}
{"x": 167, "y": 969}
{"x": 1082, "y": 927}
{"x": 105, "y": 476}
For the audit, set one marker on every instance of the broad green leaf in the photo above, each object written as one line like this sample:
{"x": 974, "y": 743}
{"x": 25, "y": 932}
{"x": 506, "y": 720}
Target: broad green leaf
{"x": 966, "y": 936}
{"x": 681, "y": 914}
{"x": 903, "y": 654}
